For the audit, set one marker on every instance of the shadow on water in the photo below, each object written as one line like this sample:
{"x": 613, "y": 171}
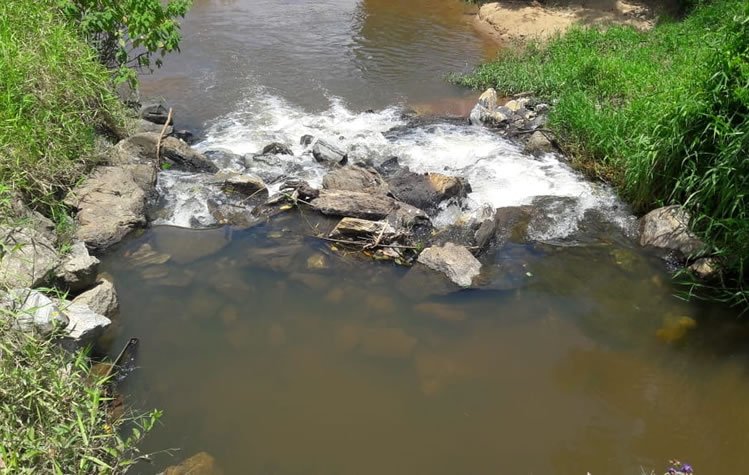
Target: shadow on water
{"x": 277, "y": 354}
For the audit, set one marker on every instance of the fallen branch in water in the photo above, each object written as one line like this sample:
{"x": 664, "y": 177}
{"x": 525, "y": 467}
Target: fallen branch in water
{"x": 364, "y": 245}
{"x": 161, "y": 134}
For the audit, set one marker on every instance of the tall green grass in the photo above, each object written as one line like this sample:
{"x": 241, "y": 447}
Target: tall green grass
{"x": 662, "y": 114}
{"x": 53, "y": 93}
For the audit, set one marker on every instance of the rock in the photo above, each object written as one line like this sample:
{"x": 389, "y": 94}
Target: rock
{"x": 328, "y": 153}
{"x": 675, "y": 328}
{"x": 317, "y": 262}
{"x": 27, "y": 258}
{"x": 224, "y": 158}
{"x": 354, "y": 204}
{"x": 355, "y": 178}
{"x": 456, "y": 262}
{"x": 185, "y": 136}
{"x": 306, "y": 140}
{"x": 407, "y": 218}
{"x": 102, "y": 299}
{"x": 426, "y": 191}
{"x": 303, "y": 189}
{"x": 668, "y": 228}
{"x": 146, "y": 255}
{"x": 277, "y": 148}
{"x": 386, "y": 343}
{"x": 484, "y": 233}
{"x": 706, "y": 268}
{"x": 439, "y": 311}
{"x": 142, "y": 148}
{"x": 355, "y": 228}
{"x": 154, "y": 112}
{"x": 110, "y": 204}
{"x": 35, "y": 312}
{"x": 84, "y": 326}
{"x": 143, "y": 126}
{"x": 32, "y": 219}
{"x": 487, "y": 111}
{"x": 246, "y": 185}
{"x": 538, "y": 144}
{"x": 199, "y": 464}
{"x": 78, "y": 269}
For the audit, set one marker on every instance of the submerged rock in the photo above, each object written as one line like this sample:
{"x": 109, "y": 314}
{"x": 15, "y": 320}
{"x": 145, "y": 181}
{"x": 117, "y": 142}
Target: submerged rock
{"x": 110, "y": 204}
{"x": 456, "y": 262}
{"x": 668, "y": 228}
{"x": 78, "y": 269}
{"x": 199, "y": 464}
{"x": 328, "y": 153}
{"x": 28, "y": 258}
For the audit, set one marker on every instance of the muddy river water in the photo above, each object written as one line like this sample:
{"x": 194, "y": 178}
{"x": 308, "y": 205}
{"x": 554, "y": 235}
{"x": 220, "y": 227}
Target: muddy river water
{"x": 279, "y": 355}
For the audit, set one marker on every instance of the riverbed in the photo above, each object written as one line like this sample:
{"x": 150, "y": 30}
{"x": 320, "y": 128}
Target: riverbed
{"x": 279, "y": 354}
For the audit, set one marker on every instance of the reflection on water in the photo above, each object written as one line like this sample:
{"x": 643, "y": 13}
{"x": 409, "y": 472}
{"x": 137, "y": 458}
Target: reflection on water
{"x": 373, "y": 53}
{"x": 277, "y": 355}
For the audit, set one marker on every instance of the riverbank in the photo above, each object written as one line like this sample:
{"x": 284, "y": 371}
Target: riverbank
{"x": 660, "y": 114}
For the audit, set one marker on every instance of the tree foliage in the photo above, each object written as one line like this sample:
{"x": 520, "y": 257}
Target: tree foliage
{"x": 129, "y": 35}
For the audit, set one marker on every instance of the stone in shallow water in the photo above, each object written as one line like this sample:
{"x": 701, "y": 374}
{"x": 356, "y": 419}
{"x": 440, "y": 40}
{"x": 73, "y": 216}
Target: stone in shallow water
{"x": 355, "y": 178}
{"x": 456, "y": 262}
{"x": 440, "y": 311}
{"x": 199, "y": 464}
{"x": 668, "y": 228}
{"x": 145, "y": 255}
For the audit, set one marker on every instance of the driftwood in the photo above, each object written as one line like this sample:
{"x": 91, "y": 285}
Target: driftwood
{"x": 161, "y": 134}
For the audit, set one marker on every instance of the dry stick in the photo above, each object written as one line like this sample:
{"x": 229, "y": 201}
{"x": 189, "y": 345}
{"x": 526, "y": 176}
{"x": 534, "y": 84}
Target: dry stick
{"x": 161, "y": 134}
{"x": 358, "y": 243}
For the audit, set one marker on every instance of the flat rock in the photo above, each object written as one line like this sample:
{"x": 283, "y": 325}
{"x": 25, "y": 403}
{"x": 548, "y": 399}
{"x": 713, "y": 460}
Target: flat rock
{"x": 355, "y": 228}
{"x": 141, "y": 148}
{"x": 668, "y": 228}
{"x": 110, "y": 205}
{"x": 27, "y": 259}
{"x": 245, "y": 184}
{"x": 143, "y": 126}
{"x": 78, "y": 269}
{"x": 35, "y": 312}
{"x": 354, "y": 204}
{"x": 355, "y": 178}
{"x": 101, "y": 299}
{"x": 456, "y": 262}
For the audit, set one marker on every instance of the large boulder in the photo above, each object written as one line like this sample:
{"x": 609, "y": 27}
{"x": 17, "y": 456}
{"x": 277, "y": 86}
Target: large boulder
{"x": 456, "y": 262}
{"x": 327, "y": 153}
{"x": 110, "y": 204}
{"x": 78, "y": 269}
{"x": 84, "y": 326}
{"x": 426, "y": 191}
{"x": 27, "y": 258}
{"x": 101, "y": 299}
{"x": 355, "y": 178}
{"x": 35, "y": 312}
{"x": 668, "y": 228}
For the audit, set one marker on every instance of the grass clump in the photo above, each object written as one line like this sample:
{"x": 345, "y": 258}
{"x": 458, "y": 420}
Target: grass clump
{"x": 662, "y": 114}
{"x": 53, "y": 94}
{"x": 54, "y": 416}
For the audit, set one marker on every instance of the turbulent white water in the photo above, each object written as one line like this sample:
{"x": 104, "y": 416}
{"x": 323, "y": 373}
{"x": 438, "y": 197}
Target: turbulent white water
{"x": 499, "y": 173}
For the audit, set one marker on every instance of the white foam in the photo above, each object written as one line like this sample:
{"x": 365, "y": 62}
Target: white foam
{"x": 499, "y": 173}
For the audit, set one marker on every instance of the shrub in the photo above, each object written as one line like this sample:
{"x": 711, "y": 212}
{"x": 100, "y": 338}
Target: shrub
{"x": 127, "y": 34}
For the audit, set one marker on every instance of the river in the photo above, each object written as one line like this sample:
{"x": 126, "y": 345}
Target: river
{"x": 279, "y": 355}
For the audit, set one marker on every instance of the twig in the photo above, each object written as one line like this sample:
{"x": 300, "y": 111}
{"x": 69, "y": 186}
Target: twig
{"x": 161, "y": 134}
{"x": 359, "y": 243}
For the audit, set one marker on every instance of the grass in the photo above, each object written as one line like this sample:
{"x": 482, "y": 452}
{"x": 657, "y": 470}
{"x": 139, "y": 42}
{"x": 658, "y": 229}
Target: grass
{"x": 661, "y": 114}
{"x": 53, "y": 95}
{"x": 54, "y": 415}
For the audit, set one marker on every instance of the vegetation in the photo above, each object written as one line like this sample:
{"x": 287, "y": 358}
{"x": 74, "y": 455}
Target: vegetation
{"x": 662, "y": 114}
{"x": 54, "y": 415}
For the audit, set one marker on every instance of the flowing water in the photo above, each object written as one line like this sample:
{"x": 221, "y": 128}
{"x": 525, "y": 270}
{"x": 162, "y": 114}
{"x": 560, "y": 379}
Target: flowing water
{"x": 279, "y": 355}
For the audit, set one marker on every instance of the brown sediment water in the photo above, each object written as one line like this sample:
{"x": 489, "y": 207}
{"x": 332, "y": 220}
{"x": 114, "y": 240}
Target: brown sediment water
{"x": 278, "y": 355}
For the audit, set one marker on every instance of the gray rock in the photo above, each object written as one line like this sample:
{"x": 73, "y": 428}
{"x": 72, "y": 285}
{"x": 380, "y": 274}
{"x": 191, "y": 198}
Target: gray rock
{"x": 277, "y": 148}
{"x": 354, "y": 204}
{"x": 154, "y": 112}
{"x": 27, "y": 258}
{"x": 141, "y": 148}
{"x": 355, "y": 178}
{"x": 538, "y": 144}
{"x": 668, "y": 228}
{"x": 706, "y": 268}
{"x": 29, "y": 218}
{"x": 406, "y": 218}
{"x": 184, "y": 157}
{"x": 328, "y": 153}
{"x": 78, "y": 269}
{"x": 143, "y": 126}
{"x": 84, "y": 326}
{"x": 34, "y": 311}
{"x": 110, "y": 204}
{"x": 488, "y": 112}
{"x": 456, "y": 262}
{"x": 306, "y": 140}
{"x": 102, "y": 299}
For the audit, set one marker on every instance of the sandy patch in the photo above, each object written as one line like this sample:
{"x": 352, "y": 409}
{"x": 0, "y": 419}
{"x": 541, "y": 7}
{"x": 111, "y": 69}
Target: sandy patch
{"x": 512, "y": 20}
